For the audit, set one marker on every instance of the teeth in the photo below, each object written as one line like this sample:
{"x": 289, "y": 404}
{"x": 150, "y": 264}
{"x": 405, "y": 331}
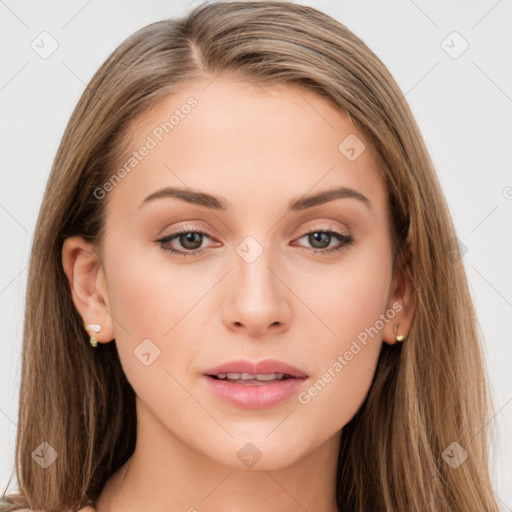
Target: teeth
{"x": 248, "y": 376}
{"x": 272, "y": 376}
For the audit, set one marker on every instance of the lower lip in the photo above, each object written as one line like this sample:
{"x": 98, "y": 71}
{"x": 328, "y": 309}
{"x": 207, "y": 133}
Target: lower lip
{"x": 257, "y": 396}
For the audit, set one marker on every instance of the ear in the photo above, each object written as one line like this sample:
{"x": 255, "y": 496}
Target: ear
{"x": 400, "y": 300}
{"x": 86, "y": 278}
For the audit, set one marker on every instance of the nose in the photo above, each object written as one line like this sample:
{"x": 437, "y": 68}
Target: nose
{"x": 258, "y": 301}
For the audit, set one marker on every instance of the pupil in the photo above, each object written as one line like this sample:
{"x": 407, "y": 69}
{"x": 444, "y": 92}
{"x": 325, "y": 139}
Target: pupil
{"x": 189, "y": 238}
{"x": 314, "y": 238}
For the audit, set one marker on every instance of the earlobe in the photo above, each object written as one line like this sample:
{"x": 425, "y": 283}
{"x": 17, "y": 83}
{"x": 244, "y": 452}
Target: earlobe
{"x": 399, "y": 338}
{"x": 86, "y": 280}
{"x": 401, "y": 301}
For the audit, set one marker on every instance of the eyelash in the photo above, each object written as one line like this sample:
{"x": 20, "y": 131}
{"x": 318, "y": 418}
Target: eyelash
{"x": 347, "y": 240}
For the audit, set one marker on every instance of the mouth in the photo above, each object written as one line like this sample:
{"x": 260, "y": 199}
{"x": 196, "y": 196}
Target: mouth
{"x": 248, "y": 379}
{"x": 251, "y": 385}
{"x": 245, "y": 371}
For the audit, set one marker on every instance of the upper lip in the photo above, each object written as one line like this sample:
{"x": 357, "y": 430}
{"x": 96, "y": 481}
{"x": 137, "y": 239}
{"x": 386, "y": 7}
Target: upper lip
{"x": 265, "y": 367}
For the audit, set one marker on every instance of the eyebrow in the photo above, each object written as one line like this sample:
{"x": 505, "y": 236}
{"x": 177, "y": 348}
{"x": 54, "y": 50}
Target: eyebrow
{"x": 220, "y": 204}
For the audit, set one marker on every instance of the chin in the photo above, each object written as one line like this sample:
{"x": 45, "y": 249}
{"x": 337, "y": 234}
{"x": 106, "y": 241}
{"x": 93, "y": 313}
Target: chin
{"x": 255, "y": 453}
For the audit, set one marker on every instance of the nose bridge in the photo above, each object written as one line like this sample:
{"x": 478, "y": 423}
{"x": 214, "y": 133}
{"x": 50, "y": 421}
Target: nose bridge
{"x": 258, "y": 299}
{"x": 253, "y": 263}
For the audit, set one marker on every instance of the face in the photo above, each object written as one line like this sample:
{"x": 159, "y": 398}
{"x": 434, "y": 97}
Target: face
{"x": 258, "y": 272}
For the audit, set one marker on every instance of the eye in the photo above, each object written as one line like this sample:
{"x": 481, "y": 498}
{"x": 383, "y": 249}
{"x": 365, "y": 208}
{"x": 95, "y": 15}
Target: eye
{"x": 321, "y": 238}
{"x": 189, "y": 238}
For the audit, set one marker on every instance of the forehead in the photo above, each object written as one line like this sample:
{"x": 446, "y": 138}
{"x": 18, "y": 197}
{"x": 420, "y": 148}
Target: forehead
{"x": 247, "y": 142}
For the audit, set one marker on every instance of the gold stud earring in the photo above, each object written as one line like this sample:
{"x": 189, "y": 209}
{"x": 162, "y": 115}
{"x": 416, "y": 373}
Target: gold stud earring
{"x": 95, "y": 328}
{"x": 398, "y": 337}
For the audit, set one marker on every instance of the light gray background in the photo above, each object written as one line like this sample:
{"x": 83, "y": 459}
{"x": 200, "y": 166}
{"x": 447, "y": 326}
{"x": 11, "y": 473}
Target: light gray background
{"x": 463, "y": 106}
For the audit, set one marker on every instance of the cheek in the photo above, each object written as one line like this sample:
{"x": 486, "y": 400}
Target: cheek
{"x": 153, "y": 305}
{"x": 346, "y": 366}
{"x": 347, "y": 351}
{"x": 344, "y": 299}
{"x": 148, "y": 293}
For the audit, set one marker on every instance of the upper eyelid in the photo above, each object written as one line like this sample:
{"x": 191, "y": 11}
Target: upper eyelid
{"x": 185, "y": 228}
{"x": 319, "y": 227}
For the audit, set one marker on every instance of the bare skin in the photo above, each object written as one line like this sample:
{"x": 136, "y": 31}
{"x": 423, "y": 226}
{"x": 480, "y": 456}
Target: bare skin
{"x": 259, "y": 149}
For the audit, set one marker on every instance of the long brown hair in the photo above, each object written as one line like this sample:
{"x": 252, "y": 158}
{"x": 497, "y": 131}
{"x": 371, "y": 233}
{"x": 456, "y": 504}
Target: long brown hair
{"x": 426, "y": 394}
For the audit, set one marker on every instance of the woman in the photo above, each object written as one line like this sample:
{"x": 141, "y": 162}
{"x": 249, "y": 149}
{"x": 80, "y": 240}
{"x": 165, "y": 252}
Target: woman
{"x": 244, "y": 292}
